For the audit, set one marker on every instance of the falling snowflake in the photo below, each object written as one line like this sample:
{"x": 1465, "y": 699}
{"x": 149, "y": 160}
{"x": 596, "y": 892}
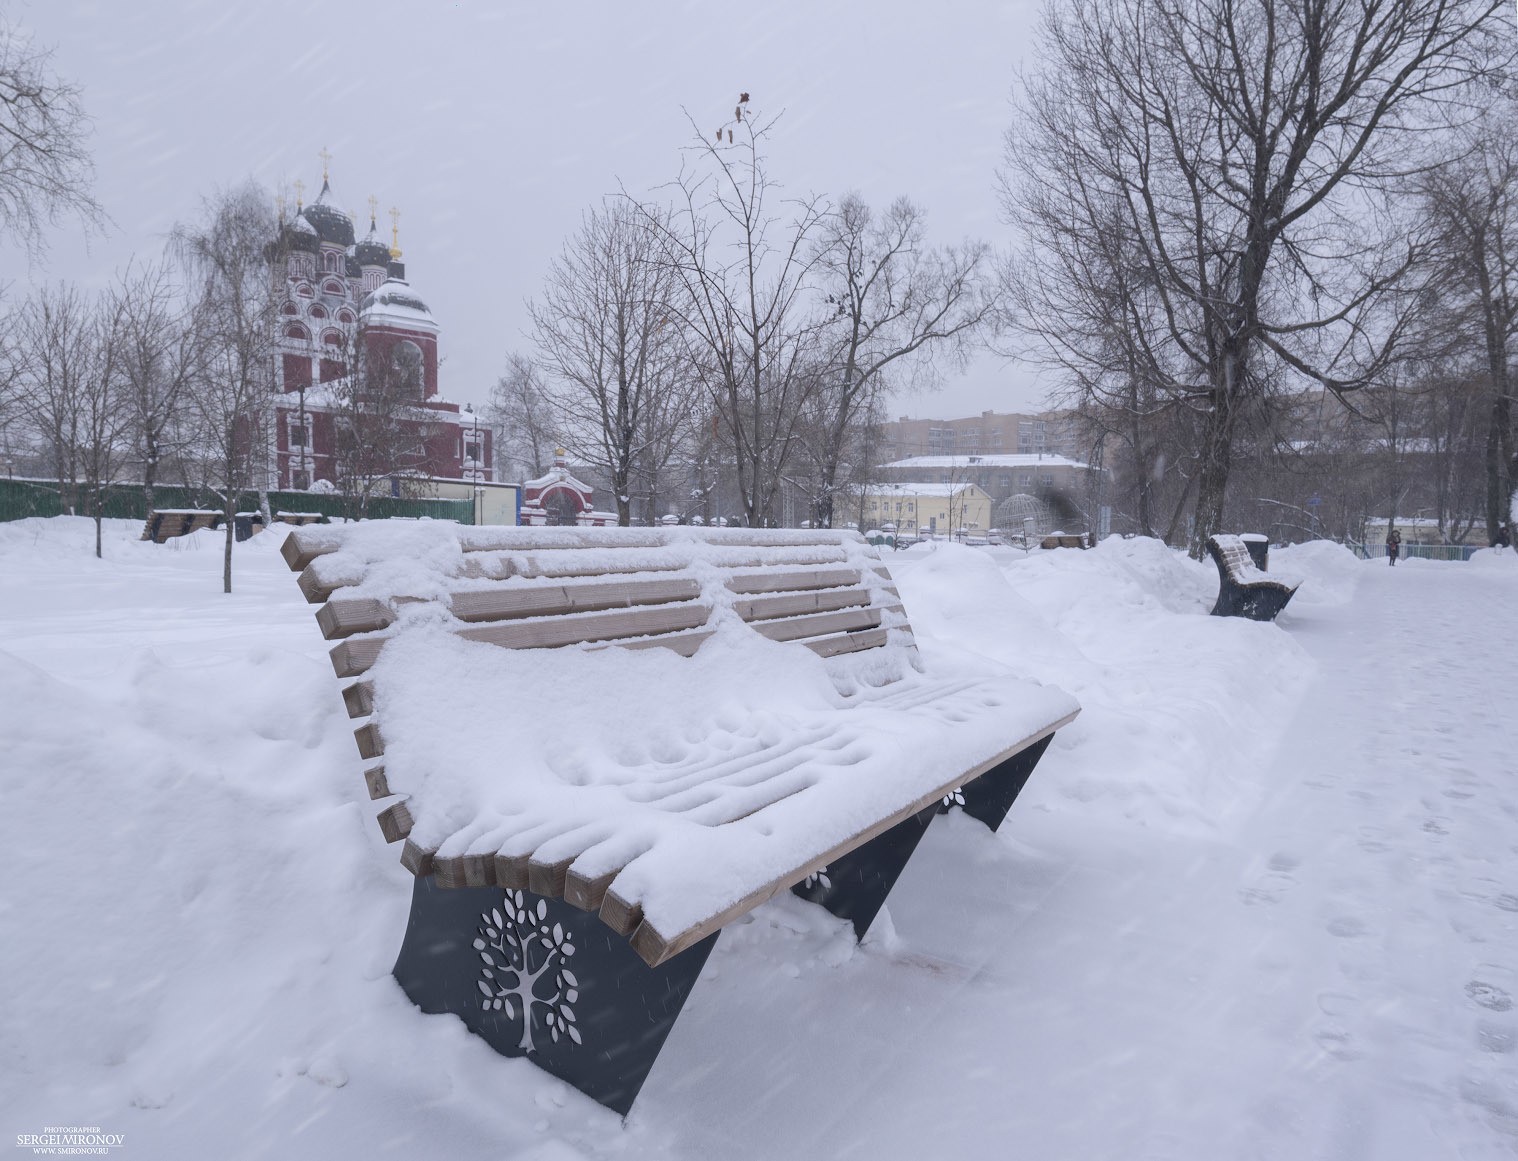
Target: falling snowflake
{"x": 518, "y": 946}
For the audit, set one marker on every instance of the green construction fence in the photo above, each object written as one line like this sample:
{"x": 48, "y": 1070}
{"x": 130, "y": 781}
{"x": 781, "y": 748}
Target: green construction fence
{"x": 22, "y": 498}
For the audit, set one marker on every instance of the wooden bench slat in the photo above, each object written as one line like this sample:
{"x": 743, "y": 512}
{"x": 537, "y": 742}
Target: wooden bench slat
{"x": 794, "y": 604}
{"x": 359, "y": 615}
{"x": 370, "y": 743}
{"x": 821, "y": 624}
{"x": 548, "y": 600}
{"x": 395, "y": 822}
{"x": 374, "y": 779}
{"x": 572, "y": 630}
{"x": 359, "y": 699}
{"x": 836, "y": 644}
{"x": 788, "y": 582}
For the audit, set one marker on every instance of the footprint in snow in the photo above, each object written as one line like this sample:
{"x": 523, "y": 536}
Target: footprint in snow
{"x": 1488, "y": 996}
{"x": 1494, "y": 1037}
{"x": 1346, "y": 927}
{"x": 1281, "y": 861}
{"x": 1266, "y": 890}
{"x": 1506, "y": 902}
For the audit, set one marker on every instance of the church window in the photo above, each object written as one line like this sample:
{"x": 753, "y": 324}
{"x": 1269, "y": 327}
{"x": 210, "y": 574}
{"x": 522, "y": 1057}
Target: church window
{"x": 330, "y": 260}
{"x": 304, "y": 290}
{"x": 332, "y": 287}
{"x": 289, "y": 308}
{"x": 345, "y": 316}
{"x": 296, "y": 331}
{"x": 297, "y": 435}
{"x": 318, "y": 310}
{"x": 332, "y": 339}
{"x": 406, "y": 359}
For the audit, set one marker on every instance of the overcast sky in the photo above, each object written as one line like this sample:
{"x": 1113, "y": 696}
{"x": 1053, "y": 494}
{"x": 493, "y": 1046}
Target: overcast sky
{"x": 492, "y": 126}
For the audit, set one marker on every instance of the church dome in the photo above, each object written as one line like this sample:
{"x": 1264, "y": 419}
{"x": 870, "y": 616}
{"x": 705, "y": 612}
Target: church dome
{"x": 394, "y": 302}
{"x": 371, "y": 251}
{"x": 301, "y": 235}
{"x": 331, "y": 225}
{"x": 396, "y": 293}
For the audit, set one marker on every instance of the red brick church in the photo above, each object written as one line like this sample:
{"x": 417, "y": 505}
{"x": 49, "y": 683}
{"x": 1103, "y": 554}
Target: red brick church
{"x": 338, "y": 295}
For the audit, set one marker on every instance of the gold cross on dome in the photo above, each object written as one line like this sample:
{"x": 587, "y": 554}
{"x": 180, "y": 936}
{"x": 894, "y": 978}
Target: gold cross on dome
{"x": 395, "y": 232}
{"x": 373, "y": 209}
{"x": 326, "y": 157}
{"x": 300, "y": 193}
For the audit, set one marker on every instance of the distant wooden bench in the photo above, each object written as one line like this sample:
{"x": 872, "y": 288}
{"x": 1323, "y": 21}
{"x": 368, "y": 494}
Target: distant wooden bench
{"x": 166, "y": 523}
{"x": 564, "y": 904}
{"x": 1064, "y": 540}
{"x": 249, "y": 524}
{"x": 1245, "y": 590}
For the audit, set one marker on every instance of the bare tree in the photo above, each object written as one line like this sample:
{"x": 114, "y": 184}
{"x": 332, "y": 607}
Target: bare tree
{"x": 893, "y": 304}
{"x": 52, "y": 337}
{"x": 106, "y": 419}
{"x": 748, "y": 310}
{"x": 1236, "y": 147}
{"x": 520, "y": 408}
{"x": 607, "y": 333}
{"x": 45, "y": 169}
{"x": 228, "y": 256}
{"x": 158, "y": 361}
{"x": 1471, "y": 200}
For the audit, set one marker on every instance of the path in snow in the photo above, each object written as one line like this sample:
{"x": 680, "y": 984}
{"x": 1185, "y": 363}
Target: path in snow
{"x": 1388, "y": 935}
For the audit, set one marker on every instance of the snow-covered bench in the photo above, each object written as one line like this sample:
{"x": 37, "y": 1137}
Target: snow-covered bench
{"x": 166, "y": 523}
{"x": 1245, "y": 590}
{"x": 682, "y": 723}
{"x": 1064, "y": 540}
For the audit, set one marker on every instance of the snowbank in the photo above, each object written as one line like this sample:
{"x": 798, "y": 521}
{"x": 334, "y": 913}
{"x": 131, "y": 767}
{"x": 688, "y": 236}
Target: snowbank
{"x": 1179, "y": 709}
{"x": 200, "y": 915}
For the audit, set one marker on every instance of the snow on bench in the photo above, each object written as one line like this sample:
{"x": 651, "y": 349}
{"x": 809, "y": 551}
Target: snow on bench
{"x": 166, "y": 523}
{"x": 1244, "y": 590}
{"x": 680, "y": 723}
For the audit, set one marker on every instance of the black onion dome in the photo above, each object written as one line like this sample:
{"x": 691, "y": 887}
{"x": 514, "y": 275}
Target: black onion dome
{"x": 333, "y": 225}
{"x": 300, "y": 235}
{"x": 371, "y": 251}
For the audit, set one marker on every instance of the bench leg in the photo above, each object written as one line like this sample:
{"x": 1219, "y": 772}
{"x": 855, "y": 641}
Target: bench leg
{"x": 991, "y": 795}
{"x": 855, "y": 886}
{"x": 539, "y": 978}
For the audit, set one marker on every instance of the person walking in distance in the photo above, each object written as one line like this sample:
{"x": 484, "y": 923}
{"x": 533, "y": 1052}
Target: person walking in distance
{"x": 1393, "y": 546}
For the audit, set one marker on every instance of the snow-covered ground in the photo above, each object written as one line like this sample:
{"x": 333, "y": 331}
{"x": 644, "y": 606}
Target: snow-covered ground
{"x": 1259, "y": 901}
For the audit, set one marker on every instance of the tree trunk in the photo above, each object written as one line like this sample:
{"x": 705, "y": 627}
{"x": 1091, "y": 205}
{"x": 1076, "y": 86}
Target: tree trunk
{"x": 624, "y": 501}
{"x": 1499, "y": 482}
{"x": 230, "y": 513}
{"x": 1217, "y": 460}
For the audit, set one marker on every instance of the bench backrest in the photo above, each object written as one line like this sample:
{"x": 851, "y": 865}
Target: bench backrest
{"x": 543, "y": 588}
{"x": 167, "y": 523}
{"x": 1232, "y": 555}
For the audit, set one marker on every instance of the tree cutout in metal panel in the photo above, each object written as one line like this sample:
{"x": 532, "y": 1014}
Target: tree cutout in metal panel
{"x": 519, "y": 947}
